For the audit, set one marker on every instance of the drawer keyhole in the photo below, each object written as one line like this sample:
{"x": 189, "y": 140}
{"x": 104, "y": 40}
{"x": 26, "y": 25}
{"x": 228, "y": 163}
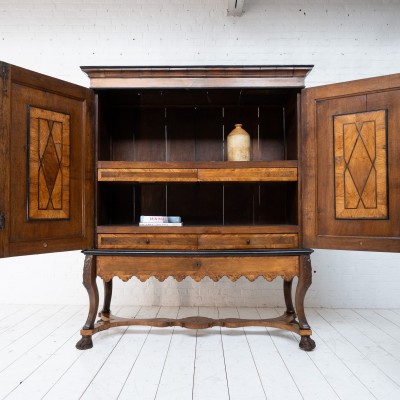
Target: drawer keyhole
{"x": 197, "y": 264}
{"x": 147, "y": 241}
{"x": 248, "y": 241}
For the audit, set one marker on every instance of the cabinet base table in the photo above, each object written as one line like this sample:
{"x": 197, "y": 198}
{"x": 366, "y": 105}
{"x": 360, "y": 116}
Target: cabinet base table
{"x": 233, "y": 264}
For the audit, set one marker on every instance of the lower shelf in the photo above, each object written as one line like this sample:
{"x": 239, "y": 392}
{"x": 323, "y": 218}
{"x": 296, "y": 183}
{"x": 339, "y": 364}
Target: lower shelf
{"x": 198, "y": 229}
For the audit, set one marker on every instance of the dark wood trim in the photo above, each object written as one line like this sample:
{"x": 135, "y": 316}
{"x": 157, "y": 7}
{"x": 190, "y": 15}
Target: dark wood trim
{"x": 197, "y": 253}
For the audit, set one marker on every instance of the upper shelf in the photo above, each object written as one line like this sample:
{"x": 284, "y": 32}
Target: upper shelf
{"x": 292, "y": 76}
{"x": 128, "y": 171}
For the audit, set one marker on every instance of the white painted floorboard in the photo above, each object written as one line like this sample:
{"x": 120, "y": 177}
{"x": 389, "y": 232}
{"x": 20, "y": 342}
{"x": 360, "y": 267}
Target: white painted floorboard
{"x": 357, "y": 357}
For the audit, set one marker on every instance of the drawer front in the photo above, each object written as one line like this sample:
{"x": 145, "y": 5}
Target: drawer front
{"x": 149, "y": 241}
{"x": 248, "y": 174}
{"x": 147, "y": 174}
{"x": 251, "y": 241}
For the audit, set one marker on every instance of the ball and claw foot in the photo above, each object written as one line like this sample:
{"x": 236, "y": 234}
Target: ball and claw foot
{"x": 85, "y": 343}
{"x": 306, "y": 343}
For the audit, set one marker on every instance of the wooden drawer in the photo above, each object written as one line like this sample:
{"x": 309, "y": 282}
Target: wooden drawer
{"x": 147, "y": 175}
{"x": 248, "y": 174}
{"x": 147, "y": 241}
{"x": 251, "y": 241}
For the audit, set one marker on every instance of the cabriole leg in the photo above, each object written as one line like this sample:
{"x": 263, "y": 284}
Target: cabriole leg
{"x": 305, "y": 279}
{"x": 89, "y": 282}
{"x": 287, "y": 292}
{"x": 106, "y": 311}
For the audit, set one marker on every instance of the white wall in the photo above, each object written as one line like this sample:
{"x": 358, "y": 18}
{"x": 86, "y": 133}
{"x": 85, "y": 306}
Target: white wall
{"x": 343, "y": 39}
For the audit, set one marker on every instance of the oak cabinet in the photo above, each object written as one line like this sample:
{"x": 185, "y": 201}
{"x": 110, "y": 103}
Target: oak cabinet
{"x": 80, "y": 166}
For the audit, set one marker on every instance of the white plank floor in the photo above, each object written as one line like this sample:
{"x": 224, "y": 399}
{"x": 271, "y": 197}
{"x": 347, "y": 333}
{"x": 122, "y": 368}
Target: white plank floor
{"x": 357, "y": 357}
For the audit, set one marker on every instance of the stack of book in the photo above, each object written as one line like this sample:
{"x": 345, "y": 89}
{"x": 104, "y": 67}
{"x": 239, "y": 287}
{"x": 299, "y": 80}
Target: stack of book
{"x": 156, "y": 220}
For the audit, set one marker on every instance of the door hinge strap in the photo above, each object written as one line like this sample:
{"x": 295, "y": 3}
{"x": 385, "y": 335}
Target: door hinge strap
{"x": 4, "y": 76}
{"x": 2, "y": 221}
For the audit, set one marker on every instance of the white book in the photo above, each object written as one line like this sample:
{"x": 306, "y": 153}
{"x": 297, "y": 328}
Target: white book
{"x": 160, "y": 223}
{"x": 159, "y": 218}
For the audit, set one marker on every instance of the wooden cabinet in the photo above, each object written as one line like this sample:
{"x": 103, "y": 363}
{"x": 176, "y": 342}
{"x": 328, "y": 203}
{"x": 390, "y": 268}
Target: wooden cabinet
{"x": 80, "y": 166}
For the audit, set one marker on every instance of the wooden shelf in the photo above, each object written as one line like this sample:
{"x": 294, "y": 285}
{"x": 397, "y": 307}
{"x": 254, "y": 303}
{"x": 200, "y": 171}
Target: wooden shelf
{"x": 130, "y": 171}
{"x": 203, "y": 229}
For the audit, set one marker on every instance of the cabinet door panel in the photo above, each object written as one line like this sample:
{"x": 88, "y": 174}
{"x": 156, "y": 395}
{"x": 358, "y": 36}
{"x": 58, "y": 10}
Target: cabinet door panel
{"x": 49, "y": 201}
{"x": 351, "y": 165}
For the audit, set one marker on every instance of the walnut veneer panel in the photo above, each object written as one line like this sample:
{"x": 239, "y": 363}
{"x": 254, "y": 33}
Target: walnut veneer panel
{"x": 360, "y": 165}
{"x": 49, "y": 164}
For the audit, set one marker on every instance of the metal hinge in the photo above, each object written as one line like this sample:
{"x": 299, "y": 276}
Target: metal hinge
{"x": 2, "y": 221}
{"x": 4, "y": 76}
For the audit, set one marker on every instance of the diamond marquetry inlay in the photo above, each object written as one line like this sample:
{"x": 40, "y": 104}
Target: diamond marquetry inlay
{"x": 49, "y": 163}
{"x": 360, "y": 165}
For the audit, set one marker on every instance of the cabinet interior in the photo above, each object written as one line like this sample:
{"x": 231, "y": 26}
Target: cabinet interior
{"x": 191, "y": 126}
{"x": 200, "y": 203}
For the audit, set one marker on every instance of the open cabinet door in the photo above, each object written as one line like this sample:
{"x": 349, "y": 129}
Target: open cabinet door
{"x": 46, "y": 163}
{"x": 351, "y": 165}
